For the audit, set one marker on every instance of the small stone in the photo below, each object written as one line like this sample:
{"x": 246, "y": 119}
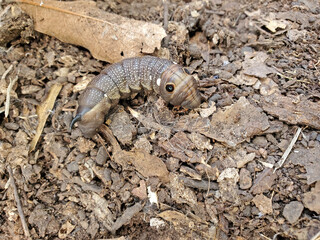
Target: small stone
{"x": 102, "y": 156}
{"x": 272, "y": 139}
{"x": 73, "y": 167}
{"x": 313, "y": 135}
{"x": 292, "y": 211}
{"x": 260, "y": 141}
{"x": 11, "y": 126}
{"x": 283, "y": 144}
{"x": 245, "y": 179}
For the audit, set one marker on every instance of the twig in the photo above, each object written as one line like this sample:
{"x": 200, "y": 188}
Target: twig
{"x": 199, "y": 184}
{"x": 316, "y": 237}
{"x": 165, "y": 21}
{"x": 288, "y": 150}
{"x": 18, "y": 202}
{"x": 7, "y": 104}
{"x": 107, "y": 134}
{"x": 6, "y": 72}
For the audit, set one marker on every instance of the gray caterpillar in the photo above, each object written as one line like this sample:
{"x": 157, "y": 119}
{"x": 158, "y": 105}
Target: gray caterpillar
{"x": 120, "y": 80}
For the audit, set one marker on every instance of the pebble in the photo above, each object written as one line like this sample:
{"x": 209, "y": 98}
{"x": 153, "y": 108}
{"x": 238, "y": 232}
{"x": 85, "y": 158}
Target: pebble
{"x": 245, "y": 179}
{"x": 292, "y": 211}
{"x": 11, "y": 126}
{"x": 260, "y": 141}
{"x": 102, "y": 156}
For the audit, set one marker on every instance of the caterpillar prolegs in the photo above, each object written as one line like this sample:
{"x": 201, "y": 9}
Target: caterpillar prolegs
{"x": 120, "y": 80}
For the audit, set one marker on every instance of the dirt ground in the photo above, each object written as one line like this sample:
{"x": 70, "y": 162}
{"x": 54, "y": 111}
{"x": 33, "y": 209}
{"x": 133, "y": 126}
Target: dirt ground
{"x": 215, "y": 172}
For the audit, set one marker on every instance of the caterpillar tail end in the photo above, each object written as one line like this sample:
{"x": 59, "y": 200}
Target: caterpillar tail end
{"x": 76, "y": 119}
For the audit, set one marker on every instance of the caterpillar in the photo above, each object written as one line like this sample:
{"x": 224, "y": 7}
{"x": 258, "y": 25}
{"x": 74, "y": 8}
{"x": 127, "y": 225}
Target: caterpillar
{"x": 120, "y": 80}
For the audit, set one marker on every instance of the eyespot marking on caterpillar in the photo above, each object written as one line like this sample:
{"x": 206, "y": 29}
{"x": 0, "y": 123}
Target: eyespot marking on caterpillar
{"x": 170, "y": 87}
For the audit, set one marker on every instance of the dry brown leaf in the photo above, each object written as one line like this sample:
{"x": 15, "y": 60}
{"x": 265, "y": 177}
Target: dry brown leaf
{"x": 293, "y": 109}
{"x": 43, "y": 112}
{"x": 176, "y": 218}
{"x": 108, "y": 36}
{"x": 146, "y": 164}
{"x": 263, "y": 203}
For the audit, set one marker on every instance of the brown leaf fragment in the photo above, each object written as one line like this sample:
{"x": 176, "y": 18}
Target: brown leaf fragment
{"x": 43, "y": 112}
{"x": 180, "y": 193}
{"x": 264, "y": 181}
{"x": 263, "y": 203}
{"x": 122, "y": 128}
{"x": 108, "y": 36}
{"x": 179, "y": 146}
{"x": 293, "y": 110}
{"x": 175, "y": 218}
{"x": 145, "y": 163}
{"x": 311, "y": 200}
{"x": 236, "y": 124}
{"x": 141, "y": 191}
{"x": 254, "y": 65}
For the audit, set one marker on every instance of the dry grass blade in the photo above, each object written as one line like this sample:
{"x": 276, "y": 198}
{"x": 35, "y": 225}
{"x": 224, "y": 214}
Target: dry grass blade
{"x": 18, "y": 202}
{"x": 43, "y": 111}
{"x": 109, "y": 37}
{"x": 288, "y": 150}
{"x": 7, "y": 104}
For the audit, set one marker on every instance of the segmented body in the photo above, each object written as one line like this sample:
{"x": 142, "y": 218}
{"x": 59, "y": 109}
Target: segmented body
{"x": 121, "y": 79}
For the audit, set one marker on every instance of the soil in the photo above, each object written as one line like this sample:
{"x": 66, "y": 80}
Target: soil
{"x": 164, "y": 172}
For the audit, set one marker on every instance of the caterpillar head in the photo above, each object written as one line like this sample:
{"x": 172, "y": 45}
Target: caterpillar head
{"x": 178, "y": 87}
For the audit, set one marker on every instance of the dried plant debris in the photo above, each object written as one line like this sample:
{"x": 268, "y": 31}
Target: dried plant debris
{"x": 311, "y": 199}
{"x": 293, "y": 110}
{"x": 43, "y": 112}
{"x": 15, "y": 24}
{"x": 235, "y": 124}
{"x": 122, "y": 127}
{"x": 310, "y": 159}
{"x": 108, "y": 36}
{"x": 254, "y": 65}
{"x": 263, "y": 203}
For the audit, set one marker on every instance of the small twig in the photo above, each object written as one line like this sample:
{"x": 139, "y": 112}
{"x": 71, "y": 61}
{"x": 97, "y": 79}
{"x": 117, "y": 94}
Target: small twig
{"x": 165, "y": 21}
{"x": 107, "y": 134}
{"x": 316, "y": 237}
{"x": 199, "y": 184}
{"x": 18, "y": 202}
{"x": 6, "y": 72}
{"x": 288, "y": 150}
{"x": 7, "y": 104}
